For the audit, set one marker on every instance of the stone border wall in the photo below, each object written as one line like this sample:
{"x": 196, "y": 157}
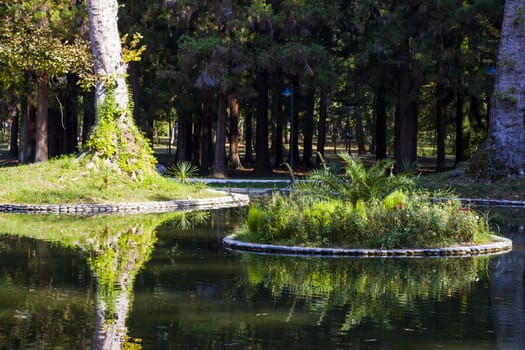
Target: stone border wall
{"x": 500, "y": 245}
{"x": 227, "y": 201}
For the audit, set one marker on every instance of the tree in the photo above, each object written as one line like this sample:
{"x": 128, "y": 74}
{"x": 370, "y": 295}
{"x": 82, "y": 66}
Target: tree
{"x": 114, "y": 137}
{"x": 35, "y": 44}
{"x": 503, "y": 151}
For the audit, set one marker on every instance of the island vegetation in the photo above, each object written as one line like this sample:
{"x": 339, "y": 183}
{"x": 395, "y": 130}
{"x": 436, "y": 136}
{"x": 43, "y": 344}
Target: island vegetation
{"x": 366, "y": 208}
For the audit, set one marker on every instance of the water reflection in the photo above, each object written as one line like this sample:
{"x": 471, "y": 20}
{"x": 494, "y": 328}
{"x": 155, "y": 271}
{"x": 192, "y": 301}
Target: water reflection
{"x": 508, "y": 284}
{"x": 152, "y": 285}
{"x": 116, "y": 248}
{"x": 365, "y": 288}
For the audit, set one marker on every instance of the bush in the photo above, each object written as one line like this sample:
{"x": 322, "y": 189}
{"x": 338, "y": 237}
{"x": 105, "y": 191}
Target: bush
{"x": 395, "y": 219}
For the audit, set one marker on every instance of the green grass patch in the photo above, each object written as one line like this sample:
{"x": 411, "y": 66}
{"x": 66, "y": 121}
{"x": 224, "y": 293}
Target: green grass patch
{"x": 71, "y": 180}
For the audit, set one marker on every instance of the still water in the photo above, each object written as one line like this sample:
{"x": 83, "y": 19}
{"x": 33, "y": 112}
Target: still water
{"x": 166, "y": 282}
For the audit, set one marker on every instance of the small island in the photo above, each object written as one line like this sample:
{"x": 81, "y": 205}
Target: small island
{"x": 365, "y": 212}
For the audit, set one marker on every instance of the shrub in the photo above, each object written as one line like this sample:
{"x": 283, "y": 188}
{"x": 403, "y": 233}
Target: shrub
{"x": 375, "y": 218}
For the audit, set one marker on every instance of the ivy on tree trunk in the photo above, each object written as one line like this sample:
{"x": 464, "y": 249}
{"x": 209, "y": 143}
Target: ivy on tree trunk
{"x": 114, "y": 137}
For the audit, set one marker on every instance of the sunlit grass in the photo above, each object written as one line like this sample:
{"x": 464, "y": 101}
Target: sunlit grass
{"x": 70, "y": 180}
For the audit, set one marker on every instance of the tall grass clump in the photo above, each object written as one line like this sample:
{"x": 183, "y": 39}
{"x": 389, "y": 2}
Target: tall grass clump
{"x": 367, "y": 208}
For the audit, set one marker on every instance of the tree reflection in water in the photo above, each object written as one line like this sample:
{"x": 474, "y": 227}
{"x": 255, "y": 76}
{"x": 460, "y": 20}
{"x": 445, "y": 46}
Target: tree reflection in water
{"x": 366, "y": 288}
{"x": 117, "y": 247}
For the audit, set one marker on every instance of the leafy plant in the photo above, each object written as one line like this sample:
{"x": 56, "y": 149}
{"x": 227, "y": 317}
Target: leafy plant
{"x": 183, "y": 171}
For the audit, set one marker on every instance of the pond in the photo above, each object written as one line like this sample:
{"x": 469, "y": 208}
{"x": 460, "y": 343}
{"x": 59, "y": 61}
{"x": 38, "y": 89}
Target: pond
{"x": 166, "y": 282}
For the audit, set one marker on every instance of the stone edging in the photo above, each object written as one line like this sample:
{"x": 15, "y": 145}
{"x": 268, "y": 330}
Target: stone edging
{"x": 229, "y": 200}
{"x": 501, "y": 245}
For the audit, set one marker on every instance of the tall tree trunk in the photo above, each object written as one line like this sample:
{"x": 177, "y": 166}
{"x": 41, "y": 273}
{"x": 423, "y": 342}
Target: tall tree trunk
{"x": 461, "y": 145}
{"x": 88, "y": 121}
{"x": 360, "y": 134}
{"x": 219, "y": 159}
{"x": 234, "y": 159}
{"x": 380, "y": 123}
{"x": 41, "y": 142}
{"x": 13, "y": 134}
{"x": 440, "y": 127}
{"x": 406, "y": 115}
{"x": 321, "y": 131}
{"x": 248, "y": 135}
{"x": 184, "y": 138}
{"x": 308, "y": 128}
{"x": 28, "y": 132}
{"x": 277, "y": 116}
{"x": 205, "y": 141}
{"x": 263, "y": 164}
{"x": 129, "y": 151}
{"x": 503, "y": 151}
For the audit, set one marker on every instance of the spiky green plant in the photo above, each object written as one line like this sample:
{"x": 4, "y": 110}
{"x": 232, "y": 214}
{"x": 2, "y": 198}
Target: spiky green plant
{"x": 183, "y": 171}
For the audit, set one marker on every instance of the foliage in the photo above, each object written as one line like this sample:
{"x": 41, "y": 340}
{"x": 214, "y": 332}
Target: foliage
{"x": 119, "y": 141}
{"x": 183, "y": 171}
{"x": 371, "y": 211}
{"x": 358, "y": 183}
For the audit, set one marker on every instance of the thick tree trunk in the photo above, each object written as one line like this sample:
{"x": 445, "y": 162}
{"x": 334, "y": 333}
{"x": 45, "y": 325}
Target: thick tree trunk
{"x": 234, "y": 159}
{"x": 126, "y": 148}
{"x": 380, "y": 123}
{"x": 41, "y": 142}
{"x": 219, "y": 159}
{"x": 321, "y": 130}
{"x": 308, "y": 129}
{"x": 440, "y": 127}
{"x": 106, "y": 49}
{"x": 27, "y": 141}
{"x": 263, "y": 164}
{"x": 503, "y": 152}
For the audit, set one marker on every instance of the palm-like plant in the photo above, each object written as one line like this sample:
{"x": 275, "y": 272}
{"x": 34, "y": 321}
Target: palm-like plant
{"x": 183, "y": 171}
{"x": 358, "y": 183}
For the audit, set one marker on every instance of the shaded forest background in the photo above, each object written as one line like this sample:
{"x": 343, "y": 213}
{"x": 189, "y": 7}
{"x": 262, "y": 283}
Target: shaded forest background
{"x": 236, "y": 84}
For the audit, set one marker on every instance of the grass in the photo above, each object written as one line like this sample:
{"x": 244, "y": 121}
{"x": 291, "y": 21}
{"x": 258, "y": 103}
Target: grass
{"x": 70, "y": 180}
{"x": 466, "y": 186}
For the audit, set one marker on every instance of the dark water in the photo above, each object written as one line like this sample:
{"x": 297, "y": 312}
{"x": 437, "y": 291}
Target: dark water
{"x": 187, "y": 292}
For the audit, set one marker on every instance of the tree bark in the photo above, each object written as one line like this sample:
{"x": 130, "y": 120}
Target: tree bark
{"x": 130, "y": 151}
{"x": 308, "y": 129}
{"x": 13, "y": 134}
{"x": 440, "y": 127}
{"x": 234, "y": 159}
{"x": 277, "y": 117}
{"x": 460, "y": 134}
{"x": 248, "y": 131}
{"x": 360, "y": 134}
{"x": 106, "y": 49}
{"x": 219, "y": 159}
{"x": 263, "y": 164}
{"x": 406, "y": 115}
{"x": 503, "y": 151}
{"x": 321, "y": 131}
{"x": 380, "y": 124}
{"x": 41, "y": 142}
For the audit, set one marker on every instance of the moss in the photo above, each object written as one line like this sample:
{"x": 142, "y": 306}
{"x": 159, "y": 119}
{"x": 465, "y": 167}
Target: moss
{"x": 120, "y": 141}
